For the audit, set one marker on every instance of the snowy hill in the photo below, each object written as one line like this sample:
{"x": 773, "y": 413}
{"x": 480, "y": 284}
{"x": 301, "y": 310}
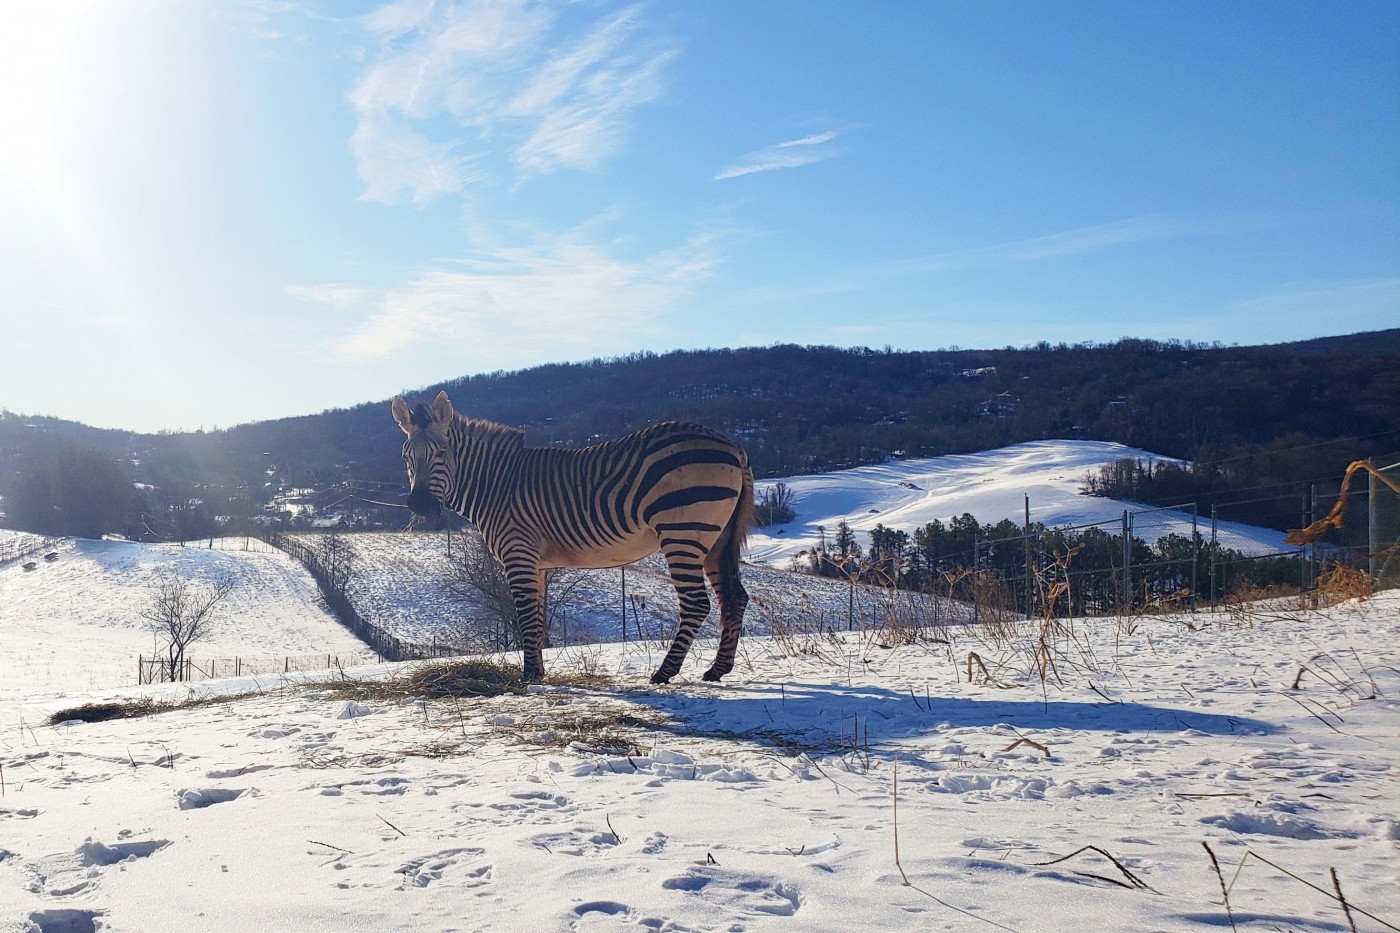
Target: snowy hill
{"x": 74, "y": 623}
{"x": 991, "y": 486}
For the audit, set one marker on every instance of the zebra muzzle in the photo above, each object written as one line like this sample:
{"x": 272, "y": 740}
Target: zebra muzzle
{"x": 423, "y": 503}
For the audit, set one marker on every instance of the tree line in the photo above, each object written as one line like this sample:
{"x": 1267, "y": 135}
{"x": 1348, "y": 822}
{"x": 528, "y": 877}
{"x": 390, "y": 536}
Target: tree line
{"x": 1245, "y": 416}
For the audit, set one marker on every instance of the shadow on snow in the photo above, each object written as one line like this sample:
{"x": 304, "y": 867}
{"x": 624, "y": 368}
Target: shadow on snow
{"x": 812, "y": 717}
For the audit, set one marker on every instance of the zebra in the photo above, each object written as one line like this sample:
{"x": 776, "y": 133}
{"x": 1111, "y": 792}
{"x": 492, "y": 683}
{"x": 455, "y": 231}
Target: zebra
{"x": 681, "y": 489}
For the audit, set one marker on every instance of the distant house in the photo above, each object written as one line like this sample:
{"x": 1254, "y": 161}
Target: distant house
{"x": 1001, "y": 405}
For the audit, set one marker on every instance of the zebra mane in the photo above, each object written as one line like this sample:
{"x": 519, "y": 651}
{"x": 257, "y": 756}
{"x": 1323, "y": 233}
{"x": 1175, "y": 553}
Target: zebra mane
{"x": 491, "y": 432}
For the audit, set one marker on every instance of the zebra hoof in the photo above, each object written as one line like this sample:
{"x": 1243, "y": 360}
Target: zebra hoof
{"x": 660, "y": 678}
{"x": 712, "y": 676}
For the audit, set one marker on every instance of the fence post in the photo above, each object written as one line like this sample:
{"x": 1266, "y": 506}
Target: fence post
{"x": 1195, "y": 552}
{"x": 1127, "y": 565}
{"x": 1303, "y": 552}
{"x": 1214, "y": 556}
{"x": 1314, "y": 561}
{"x": 1026, "y": 531}
{"x": 1372, "y": 532}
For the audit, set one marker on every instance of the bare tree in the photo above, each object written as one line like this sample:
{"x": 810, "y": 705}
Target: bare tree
{"x": 179, "y": 612}
{"x": 774, "y": 506}
{"x": 478, "y": 581}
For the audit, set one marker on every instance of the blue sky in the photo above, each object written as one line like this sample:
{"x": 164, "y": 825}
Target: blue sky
{"x": 219, "y": 212}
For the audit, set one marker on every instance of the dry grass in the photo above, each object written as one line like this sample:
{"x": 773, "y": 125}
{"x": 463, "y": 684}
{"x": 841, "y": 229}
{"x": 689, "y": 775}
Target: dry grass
{"x": 458, "y": 678}
{"x": 137, "y": 707}
{"x": 1340, "y": 583}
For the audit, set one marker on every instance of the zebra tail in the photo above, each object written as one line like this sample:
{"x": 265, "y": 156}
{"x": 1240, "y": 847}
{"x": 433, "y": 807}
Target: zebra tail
{"x": 736, "y": 532}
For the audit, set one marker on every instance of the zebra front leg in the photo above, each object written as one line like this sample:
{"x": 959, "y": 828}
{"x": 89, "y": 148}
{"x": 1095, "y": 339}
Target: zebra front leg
{"x": 695, "y": 605}
{"x": 527, "y": 592}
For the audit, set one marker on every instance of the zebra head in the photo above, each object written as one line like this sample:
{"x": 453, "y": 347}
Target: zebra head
{"x": 426, "y": 452}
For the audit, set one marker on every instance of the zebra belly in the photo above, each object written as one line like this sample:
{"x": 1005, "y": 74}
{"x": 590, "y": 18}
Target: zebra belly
{"x": 626, "y": 551}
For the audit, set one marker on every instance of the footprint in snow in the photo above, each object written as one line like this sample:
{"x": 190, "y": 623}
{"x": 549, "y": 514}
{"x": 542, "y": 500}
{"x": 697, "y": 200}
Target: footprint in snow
{"x": 199, "y": 798}
{"x": 738, "y": 894}
{"x": 381, "y": 787}
{"x": 575, "y": 842}
{"x": 235, "y": 772}
{"x": 608, "y": 915}
{"x": 532, "y": 806}
{"x": 68, "y": 873}
{"x": 462, "y": 868}
{"x": 65, "y": 921}
{"x": 17, "y": 814}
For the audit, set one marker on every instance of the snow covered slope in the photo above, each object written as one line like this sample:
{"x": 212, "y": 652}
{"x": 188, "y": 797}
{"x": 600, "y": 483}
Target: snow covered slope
{"x": 991, "y": 486}
{"x": 765, "y": 804}
{"x": 74, "y": 624}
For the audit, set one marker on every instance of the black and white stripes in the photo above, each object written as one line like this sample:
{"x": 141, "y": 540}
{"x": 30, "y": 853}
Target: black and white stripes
{"x": 681, "y": 489}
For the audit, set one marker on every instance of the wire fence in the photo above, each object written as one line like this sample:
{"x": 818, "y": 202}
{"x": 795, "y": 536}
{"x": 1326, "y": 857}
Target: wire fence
{"x": 1171, "y": 558}
{"x": 1383, "y": 525}
{"x": 159, "y": 670}
{"x": 328, "y": 562}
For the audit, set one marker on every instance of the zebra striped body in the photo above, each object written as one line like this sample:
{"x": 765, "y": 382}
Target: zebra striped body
{"x": 681, "y": 489}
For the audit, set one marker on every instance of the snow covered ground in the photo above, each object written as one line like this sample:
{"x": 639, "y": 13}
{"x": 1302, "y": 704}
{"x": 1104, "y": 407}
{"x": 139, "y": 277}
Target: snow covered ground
{"x": 767, "y": 803}
{"x": 991, "y": 486}
{"x": 74, "y": 623}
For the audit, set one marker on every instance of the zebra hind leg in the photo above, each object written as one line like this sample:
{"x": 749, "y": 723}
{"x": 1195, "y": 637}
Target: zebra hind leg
{"x": 733, "y": 599}
{"x": 686, "y": 575}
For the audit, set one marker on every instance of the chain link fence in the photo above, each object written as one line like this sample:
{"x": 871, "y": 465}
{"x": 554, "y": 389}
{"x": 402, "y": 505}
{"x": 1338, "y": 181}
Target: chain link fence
{"x": 1383, "y": 526}
{"x": 1172, "y": 558}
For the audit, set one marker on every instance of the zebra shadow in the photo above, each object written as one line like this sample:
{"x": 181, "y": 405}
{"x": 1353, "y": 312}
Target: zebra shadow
{"x": 820, "y": 718}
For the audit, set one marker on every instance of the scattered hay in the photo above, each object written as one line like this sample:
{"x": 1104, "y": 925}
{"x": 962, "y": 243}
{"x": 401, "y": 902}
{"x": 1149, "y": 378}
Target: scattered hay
{"x": 471, "y": 678}
{"x": 457, "y": 679}
{"x": 104, "y": 712}
{"x": 136, "y": 707}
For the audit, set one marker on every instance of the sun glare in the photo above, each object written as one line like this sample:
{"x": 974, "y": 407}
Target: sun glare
{"x": 37, "y": 60}
{"x": 75, "y": 82}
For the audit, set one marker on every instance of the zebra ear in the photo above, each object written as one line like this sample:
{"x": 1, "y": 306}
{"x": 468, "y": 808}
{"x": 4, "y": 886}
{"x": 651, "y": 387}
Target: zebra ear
{"x": 402, "y": 415}
{"x": 442, "y": 410}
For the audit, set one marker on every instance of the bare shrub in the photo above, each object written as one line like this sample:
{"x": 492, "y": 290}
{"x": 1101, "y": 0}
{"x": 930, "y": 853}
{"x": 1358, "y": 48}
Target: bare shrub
{"x": 478, "y": 581}
{"x": 774, "y": 506}
{"x": 180, "y": 613}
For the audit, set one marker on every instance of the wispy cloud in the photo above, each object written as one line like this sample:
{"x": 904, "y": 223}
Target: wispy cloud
{"x": 790, "y": 154}
{"x": 567, "y": 292}
{"x": 1062, "y": 244}
{"x": 1071, "y": 242}
{"x": 332, "y": 294}
{"x": 451, "y": 88}
{"x": 1293, "y": 311}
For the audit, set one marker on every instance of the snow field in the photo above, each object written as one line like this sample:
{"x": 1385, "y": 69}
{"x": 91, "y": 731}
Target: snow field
{"x": 991, "y": 486}
{"x": 765, "y": 803}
